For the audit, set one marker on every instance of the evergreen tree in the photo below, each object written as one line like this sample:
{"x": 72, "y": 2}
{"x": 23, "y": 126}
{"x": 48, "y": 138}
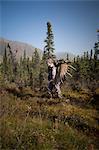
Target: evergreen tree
{"x": 1, "y": 72}
{"x": 13, "y": 62}
{"x": 84, "y": 55}
{"x": 33, "y": 67}
{"x": 96, "y": 50}
{"x": 96, "y": 60}
{"x": 24, "y": 59}
{"x": 48, "y": 52}
{"x": 74, "y": 59}
{"x": 10, "y": 70}
{"x": 25, "y": 70}
{"x": 78, "y": 58}
{"x": 5, "y": 63}
{"x": 36, "y": 58}
{"x": 87, "y": 55}
{"x": 21, "y": 67}
{"x": 49, "y": 48}
{"x": 91, "y": 54}
{"x": 43, "y": 75}
{"x": 67, "y": 56}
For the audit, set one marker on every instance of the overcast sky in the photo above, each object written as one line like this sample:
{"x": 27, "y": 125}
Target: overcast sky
{"x": 74, "y": 23}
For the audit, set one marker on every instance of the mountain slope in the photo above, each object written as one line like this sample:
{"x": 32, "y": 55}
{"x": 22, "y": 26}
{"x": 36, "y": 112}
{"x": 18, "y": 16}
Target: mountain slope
{"x": 17, "y": 46}
{"x": 63, "y": 55}
{"x": 20, "y": 47}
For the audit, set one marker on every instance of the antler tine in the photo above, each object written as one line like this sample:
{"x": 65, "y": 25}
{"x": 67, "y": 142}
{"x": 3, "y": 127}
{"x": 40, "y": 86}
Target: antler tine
{"x": 69, "y": 74}
{"x": 72, "y": 67}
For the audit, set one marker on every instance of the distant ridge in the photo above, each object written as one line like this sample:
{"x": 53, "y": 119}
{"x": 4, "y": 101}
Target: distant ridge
{"x": 19, "y": 46}
{"x": 63, "y": 55}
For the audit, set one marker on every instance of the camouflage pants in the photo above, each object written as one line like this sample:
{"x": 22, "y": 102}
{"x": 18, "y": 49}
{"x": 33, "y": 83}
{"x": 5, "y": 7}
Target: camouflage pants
{"x": 58, "y": 90}
{"x": 56, "y": 87}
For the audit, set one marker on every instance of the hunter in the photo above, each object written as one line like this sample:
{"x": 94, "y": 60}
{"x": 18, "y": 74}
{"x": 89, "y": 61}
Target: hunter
{"x": 52, "y": 82}
{"x": 57, "y": 72}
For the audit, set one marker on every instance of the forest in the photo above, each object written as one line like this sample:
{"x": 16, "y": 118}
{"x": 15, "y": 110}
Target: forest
{"x": 31, "y": 120}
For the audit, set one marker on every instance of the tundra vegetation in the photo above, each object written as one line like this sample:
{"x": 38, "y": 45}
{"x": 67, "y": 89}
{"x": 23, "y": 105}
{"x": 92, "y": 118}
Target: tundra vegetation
{"x": 30, "y": 120}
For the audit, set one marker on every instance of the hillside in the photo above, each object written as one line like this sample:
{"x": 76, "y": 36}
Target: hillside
{"x": 19, "y": 46}
{"x": 63, "y": 55}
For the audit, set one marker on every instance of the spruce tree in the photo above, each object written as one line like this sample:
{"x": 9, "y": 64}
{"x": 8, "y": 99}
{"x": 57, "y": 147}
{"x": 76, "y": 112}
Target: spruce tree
{"x": 96, "y": 60}
{"x": 84, "y": 55}
{"x": 91, "y": 54}
{"x": 34, "y": 69}
{"x": 24, "y": 60}
{"x": 49, "y": 47}
{"x": 21, "y": 67}
{"x": 67, "y": 56}
{"x": 87, "y": 55}
{"x": 74, "y": 59}
{"x": 36, "y": 58}
{"x": 10, "y": 70}
{"x": 96, "y": 50}
{"x": 13, "y": 62}
{"x": 5, "y": 63}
